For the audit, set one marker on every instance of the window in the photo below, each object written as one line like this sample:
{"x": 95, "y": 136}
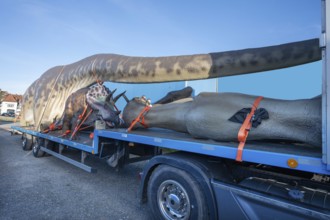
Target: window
{"x": 10, "y": 105}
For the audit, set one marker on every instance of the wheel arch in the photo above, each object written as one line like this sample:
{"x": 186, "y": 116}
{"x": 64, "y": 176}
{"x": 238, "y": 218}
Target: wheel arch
{"x": 194, "y": 164}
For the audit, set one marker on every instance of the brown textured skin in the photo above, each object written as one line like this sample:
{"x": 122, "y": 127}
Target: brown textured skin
{"x": 206, "y": 116}
{"x": 45, "y": 98}
{"x": 77, "y": 102}
{"x": 74, "y": 106}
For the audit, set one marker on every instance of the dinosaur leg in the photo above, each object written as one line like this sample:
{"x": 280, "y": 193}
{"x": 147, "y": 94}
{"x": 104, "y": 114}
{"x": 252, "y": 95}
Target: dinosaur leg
{"x": 176, "y": 95}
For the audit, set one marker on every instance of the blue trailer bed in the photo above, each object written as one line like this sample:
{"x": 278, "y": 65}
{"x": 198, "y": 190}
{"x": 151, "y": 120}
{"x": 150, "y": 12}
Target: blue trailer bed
{"x": 308, "y": 158}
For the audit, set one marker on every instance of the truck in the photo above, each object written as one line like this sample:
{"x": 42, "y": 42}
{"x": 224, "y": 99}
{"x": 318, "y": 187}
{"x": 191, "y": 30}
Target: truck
{"x": 187, "y": 178}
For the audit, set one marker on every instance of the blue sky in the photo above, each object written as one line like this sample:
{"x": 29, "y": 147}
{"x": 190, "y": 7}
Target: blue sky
{"x": 37, "y": 35}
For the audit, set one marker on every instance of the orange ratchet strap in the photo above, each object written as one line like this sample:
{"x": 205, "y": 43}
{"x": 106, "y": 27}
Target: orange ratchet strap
{"x": 81, "y": 119}
{"x": 245, "y": 129}
{"x": 52, "y": 127}
{"x": 140, "y": 118}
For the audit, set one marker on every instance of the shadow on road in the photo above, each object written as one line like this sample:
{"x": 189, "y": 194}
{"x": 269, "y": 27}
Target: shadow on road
{"x": 48, "y": 188}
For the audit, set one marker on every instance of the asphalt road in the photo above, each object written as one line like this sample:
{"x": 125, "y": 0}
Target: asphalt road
{"x": 48, "y": 188}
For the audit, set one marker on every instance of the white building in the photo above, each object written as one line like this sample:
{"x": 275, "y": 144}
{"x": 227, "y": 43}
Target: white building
{"x": 11, "y": 103}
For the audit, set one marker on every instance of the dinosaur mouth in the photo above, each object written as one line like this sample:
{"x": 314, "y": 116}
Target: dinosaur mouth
{"x": 110, "y": 124}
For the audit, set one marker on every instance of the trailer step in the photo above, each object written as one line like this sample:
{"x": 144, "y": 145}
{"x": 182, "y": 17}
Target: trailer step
{"x": 69, "y": 160}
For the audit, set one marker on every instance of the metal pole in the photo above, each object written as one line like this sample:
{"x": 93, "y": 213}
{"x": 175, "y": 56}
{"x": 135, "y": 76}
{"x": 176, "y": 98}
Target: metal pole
{"x": 325, "y": 45}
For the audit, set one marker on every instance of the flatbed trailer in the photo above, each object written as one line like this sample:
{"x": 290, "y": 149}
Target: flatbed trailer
{"x": 308, "y": 159}
{"x": 188, "y": 178}
{"x": 264, "y": 182}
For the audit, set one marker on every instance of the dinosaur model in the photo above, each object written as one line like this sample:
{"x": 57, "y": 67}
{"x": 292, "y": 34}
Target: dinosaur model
{"x": 89, "y": 104}
{"x": 45, "y": 99}
{"x": 219, "y": 116}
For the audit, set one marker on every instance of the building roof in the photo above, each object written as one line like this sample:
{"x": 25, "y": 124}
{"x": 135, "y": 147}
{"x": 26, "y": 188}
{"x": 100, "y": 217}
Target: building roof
{"x": 12, "y": 98}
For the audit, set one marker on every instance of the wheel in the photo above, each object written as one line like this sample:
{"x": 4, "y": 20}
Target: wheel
{"x": 36, "y": 148}
{"x": 27, "y": 142}
{"x": 175, "y": 194}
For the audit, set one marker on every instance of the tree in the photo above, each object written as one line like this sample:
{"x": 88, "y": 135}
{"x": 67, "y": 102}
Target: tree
{"x": 2, "y": 94}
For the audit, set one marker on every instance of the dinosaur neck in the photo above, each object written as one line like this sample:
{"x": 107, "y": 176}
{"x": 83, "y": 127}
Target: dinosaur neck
{"x": 169, "y": 116}
{"x": 117, "y": 68}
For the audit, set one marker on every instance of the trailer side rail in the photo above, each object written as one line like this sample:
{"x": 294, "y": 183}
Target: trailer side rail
{"x": 304, "y": 163}
{"x": 93, "y": 149}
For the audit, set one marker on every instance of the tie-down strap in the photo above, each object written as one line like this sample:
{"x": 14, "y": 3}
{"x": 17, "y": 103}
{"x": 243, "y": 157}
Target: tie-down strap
{"x": 140, "y": 118}
{"x": 245, "y": 129}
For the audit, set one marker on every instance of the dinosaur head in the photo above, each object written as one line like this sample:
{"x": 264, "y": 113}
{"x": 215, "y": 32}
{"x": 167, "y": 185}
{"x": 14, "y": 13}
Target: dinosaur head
{"x": 106, "y": 108}
{"x": 108, "y": 111}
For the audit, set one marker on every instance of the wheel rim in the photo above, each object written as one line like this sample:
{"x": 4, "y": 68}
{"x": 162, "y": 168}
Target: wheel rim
{"x": 173, "y": 200}
{"x": 35, "y": 148}
{"x": 24, "y": 142}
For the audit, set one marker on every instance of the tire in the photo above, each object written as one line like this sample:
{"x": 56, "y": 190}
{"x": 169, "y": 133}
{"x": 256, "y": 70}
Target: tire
{"x": 37, "y": 152}
{"x": 27, "y": 142}
{"x": 175, "y": 194}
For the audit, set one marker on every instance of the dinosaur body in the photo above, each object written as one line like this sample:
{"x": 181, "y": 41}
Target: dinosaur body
{"x": 208, "y": 114}
{"x": 74, "y": 106}
{"x": 92, "y": 103}
{"x": 45, "y": 98}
